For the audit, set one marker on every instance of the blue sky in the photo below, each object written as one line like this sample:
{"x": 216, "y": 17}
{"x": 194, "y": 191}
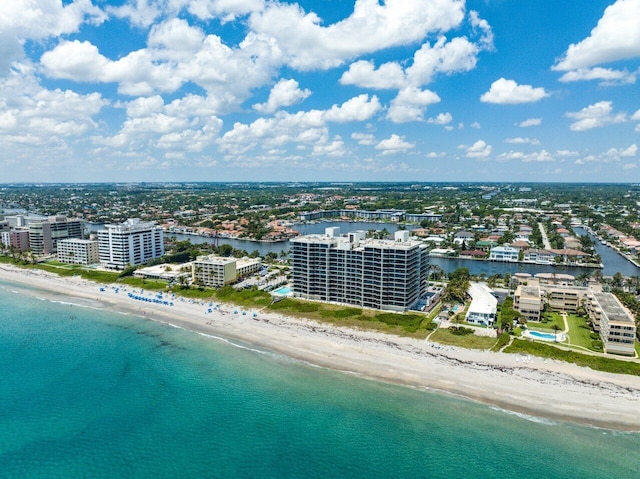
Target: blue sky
{"x": 257, "y": 90}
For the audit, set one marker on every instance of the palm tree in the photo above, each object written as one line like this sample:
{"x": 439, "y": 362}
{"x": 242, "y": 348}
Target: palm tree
{"x": 555, "y": 328}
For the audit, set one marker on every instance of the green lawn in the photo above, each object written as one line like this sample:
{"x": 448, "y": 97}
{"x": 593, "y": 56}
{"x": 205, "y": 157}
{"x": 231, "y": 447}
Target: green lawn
{"x": 548, "y": 319}
{"x": 598, "y": 363}
{"x": 580, "y": 331}
{"x": 470, "y": 341}
{"x": 402, "y": 324}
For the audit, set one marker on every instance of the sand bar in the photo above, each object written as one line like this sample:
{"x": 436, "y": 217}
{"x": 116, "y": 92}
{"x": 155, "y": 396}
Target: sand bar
{"x": 529, "y": 385}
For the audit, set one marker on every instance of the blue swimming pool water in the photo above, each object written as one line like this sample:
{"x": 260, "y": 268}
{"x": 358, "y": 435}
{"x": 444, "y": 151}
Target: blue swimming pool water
{"x": 283, "y": 290}
{"x": 538, "y": 334}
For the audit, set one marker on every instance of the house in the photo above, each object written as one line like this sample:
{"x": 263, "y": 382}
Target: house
{"x": 463, "y": 237}
{"x": 504, "y": 253}
{"x": 539, "y": 256}
{"x": 570, "y": 255}
{"x": 483, "y": 307}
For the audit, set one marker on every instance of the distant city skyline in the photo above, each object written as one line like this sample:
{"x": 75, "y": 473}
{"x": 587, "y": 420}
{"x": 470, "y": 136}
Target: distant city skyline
{"x": 257, "y": 90}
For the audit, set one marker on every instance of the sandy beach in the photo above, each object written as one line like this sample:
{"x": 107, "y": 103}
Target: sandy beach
{"x": 529, "y": 385}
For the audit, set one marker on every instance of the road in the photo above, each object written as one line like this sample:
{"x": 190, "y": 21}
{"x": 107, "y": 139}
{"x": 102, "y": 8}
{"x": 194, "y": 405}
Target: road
{"x": 545, "y": 240}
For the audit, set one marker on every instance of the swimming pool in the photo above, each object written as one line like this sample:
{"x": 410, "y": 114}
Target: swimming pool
{"x": 283, "y": 291}
{"x": 544, "y": 336}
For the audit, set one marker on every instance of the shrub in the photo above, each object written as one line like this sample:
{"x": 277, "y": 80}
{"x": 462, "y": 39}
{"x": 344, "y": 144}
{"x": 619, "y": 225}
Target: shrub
{"x": 461, "y": 331}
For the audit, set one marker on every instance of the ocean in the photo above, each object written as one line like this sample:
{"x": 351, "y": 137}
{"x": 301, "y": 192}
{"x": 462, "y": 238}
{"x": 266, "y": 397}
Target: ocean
{"x": 91, "y": 393}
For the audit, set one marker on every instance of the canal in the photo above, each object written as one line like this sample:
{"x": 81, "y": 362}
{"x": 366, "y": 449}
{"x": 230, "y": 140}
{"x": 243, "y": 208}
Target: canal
{"x": 611, "y": 260}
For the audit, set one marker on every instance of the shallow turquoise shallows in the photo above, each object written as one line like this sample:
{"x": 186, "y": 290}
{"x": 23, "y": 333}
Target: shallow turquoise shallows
{"x": 88, "y": 393}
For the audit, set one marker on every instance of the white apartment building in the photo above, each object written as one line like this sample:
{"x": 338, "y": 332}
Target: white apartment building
{"x": 483, "y": 307}
{"x": 78, "y": 251}
{"x": 614, "y": 323}
{"x": 131, "y": 243}
{"x": 216, "y": 271}
{"x": 380, "y": 274}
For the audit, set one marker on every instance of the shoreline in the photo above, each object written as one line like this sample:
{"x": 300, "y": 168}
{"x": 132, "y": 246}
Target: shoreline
{"x": 522, "y": 384}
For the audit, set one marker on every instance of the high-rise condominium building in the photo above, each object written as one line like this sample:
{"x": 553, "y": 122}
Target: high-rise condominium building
{"x": 131, "y": 243}
{"x": 373, "y": 273}
{"x": 44, "y": 235}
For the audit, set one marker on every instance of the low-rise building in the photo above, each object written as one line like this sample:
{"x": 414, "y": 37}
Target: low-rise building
{"x": 528, "y": 300}
{"x": 484, "y": 305}
{"x": 78, "y": 251}
{"x": 614, "y": 323}
{"x": 216, "y": 271}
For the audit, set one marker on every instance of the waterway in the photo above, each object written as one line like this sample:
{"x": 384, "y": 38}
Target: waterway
{"x": 305, "y": 229}
{"x": 612, "y": 261}
{"x": 447, "y": 264}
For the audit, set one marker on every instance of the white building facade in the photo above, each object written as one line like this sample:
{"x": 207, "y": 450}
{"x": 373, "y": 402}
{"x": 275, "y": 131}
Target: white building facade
{"x": 131, "y": 243}
{"x": 483, "y": 307}
{"x": 504, "y": 253}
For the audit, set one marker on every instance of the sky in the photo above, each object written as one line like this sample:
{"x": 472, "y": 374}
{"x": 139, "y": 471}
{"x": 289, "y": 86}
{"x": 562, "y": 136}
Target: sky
{"x": 331, "y": 90}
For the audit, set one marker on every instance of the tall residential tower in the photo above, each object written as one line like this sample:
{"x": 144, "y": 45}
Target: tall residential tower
{"x": 131, "y": 243}
{"x": 373, "y": 273}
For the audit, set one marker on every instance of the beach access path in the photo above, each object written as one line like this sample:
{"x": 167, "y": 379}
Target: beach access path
{"x": 519, "y": 383}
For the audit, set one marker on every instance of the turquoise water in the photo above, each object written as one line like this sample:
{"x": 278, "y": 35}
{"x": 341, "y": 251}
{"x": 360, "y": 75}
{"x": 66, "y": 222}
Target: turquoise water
{"x": 86, "y": 393}
{"x": 283, "y": 290}
{"x": 545, "y": 336}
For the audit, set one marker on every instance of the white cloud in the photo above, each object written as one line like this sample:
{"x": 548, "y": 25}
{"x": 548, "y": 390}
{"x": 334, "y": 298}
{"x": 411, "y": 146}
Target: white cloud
{"x": 443, "y": 119}
{"x": 486, "y": 40}
{"x": 304, "y": 128}
{"x": 394, "y": 144}
{"x": 607, "y": 76}
{"x": 539, "y": 157}
{"x": 636, "y": 116}
{"x": 177, "y": 53}
{"x": 22, "y": 20}
{"x": 366, "y": 139}
{"x": 613, "y": 156}
{"x": 457, "y": 55}
{"x": 629, "y": 152}
{"x": 595, "y": 116}
{"x": 448, "y": 57}
{"x": 308, "y": 45}
{"x": 520, "y": 140}
{"x": 33, "y": 115}
{"x": 479, "y": 149}
{"x": 475, "y": 125}
{"x": 284, "y": 93}
{"x": 529, "y": 122}
{"x": 536, "y": 156}
{"x": 334, "y": 149}
{"x": 139, "y": 12}
{"x": 364, "y": 74}
{"x": 186, "y": 124}
{"x": 508, "y": 92}
{"x": 615, "y": 37}
{"x": 359, "y": 108}
{"x": 410, "y": 105}
{"x": 566, "y": 153}
{"x": 144, "y": 13}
